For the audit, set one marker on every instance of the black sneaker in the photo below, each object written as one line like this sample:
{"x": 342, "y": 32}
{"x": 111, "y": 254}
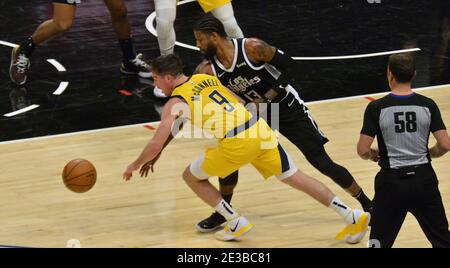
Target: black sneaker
{"x": 19, "y": 66}
{"x": 211, "y": 223}
{"x": 137, "y": 66}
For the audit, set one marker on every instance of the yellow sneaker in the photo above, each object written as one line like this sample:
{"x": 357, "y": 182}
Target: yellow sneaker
{"x": 234, "y": 229}
{"x": 357, "y": 226}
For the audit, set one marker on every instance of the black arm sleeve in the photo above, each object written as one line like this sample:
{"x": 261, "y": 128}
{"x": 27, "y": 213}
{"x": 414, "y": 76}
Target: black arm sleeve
{"x": 436, "y": 119}
{"x": 370, "y": 125}
{"x": 286, "y": 65}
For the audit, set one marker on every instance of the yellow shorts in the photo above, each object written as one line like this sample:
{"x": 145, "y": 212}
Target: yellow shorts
{"x": 208, "y": 5}
{"x": 234, "y": 152}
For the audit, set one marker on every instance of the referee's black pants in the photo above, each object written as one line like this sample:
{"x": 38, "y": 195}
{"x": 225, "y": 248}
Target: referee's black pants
{"x": 414, "y": 190}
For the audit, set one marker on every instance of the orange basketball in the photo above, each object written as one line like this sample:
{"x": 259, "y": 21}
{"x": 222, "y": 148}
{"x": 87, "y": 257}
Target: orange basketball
{"x": 79, "y": 175}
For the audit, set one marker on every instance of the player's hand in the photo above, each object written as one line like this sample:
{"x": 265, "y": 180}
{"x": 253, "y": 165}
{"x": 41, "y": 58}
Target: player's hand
{"x": 148, "y": 166}
{"x": 270, "y": 95}
{"x": 129, "y": 171}
{"x": 374, "y": 155}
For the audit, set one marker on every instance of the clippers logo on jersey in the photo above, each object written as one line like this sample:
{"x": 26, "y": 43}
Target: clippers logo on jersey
{"x": 240, "y": 84}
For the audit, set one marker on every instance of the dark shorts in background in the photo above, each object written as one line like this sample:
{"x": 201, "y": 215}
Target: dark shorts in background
{"x": 69, "y": 2}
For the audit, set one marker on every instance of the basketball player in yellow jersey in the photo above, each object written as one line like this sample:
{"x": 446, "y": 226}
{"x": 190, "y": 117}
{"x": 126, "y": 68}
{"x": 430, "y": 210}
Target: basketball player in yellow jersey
{"x": 242, "y": 139}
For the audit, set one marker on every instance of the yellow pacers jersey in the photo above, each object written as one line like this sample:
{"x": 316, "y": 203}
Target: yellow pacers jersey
{"x": 213, "y": 108}
{"x": 247, "y": 139}
{"x": 208, "y": 5}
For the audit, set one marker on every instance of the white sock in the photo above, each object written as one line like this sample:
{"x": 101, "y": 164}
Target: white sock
{"x": 342, "y": 209}
{"x": 225, "y": 210}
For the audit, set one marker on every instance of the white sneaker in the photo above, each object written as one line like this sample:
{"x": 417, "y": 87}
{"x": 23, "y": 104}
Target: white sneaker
{"x": 356, "y": 238}
{"x": 158, "y": 93}
{"x": 357, "y": 226}
{"x": 234, "y": 229}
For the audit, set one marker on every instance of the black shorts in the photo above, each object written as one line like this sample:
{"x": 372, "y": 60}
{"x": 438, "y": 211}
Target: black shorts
{"x": 69, "y": 2}
{"x": 397, "y": 192}
{"x": 298, "y": 126}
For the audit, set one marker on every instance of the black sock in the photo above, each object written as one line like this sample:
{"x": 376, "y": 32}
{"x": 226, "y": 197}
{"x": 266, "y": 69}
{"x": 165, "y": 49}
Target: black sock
{"x": 366, "y": 203}
{"x": 27, "y": 47}
{"x": 227, "y": 198}
{"x": 127, "y": 47}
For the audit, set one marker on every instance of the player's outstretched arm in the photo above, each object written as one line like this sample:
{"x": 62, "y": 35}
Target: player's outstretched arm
{"x": 151, "y": 164}
{"x": 260, "y": 52}
{"x": 158, "y": 142}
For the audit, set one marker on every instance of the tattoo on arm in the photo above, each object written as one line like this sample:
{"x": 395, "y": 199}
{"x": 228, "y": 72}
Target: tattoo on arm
{"x": 259, "y": 51}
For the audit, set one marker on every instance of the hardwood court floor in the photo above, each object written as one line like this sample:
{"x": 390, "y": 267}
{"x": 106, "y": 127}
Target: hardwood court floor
{"x": 161, "y": 211}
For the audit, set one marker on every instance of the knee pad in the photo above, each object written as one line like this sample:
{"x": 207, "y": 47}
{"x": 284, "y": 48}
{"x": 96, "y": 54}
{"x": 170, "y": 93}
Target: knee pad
{"x": 166, "y": 35}
{"x": 196, "y": 168}
{"x": 226, "y": 15}
{"x": 165, "y": 4}
{"x": 166, "y": 11}
{"x": 164, "y": 26}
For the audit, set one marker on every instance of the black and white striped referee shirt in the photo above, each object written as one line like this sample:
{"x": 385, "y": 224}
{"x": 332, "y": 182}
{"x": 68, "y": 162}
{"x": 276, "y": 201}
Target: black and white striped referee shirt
{"x": 402, "y": 125}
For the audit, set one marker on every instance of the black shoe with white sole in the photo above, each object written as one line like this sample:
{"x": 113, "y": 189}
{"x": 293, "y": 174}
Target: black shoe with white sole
{"x": 211, "y": 223}
{"x": 137, "y": 66}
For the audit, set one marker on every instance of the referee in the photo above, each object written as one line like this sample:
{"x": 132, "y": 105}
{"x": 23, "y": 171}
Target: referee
{"x": 402, "y": 122}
